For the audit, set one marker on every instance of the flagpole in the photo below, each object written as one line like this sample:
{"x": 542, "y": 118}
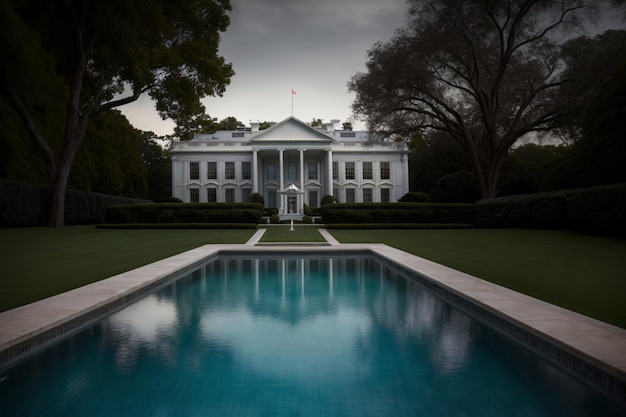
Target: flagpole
{"x": 292, "y": 102}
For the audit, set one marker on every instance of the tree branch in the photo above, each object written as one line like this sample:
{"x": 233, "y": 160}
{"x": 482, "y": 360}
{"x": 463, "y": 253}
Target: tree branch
{"x": 31, "y": 127}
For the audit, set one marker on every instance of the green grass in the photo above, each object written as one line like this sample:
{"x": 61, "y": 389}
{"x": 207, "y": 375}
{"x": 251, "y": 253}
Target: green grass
{"x": 282, "y": 233}
{"x": 583, "y": 273}
{"x": 40, "y": 262}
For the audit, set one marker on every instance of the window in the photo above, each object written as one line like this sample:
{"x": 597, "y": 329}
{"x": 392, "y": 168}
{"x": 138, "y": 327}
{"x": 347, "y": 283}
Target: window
{"x": 384, "y": 171}
{"x": 292, "y": 172}
{"x": 230, "y": 171}
{"x": 194, "y": 195}
{"x": 349, "y": 170}
{"x": 211, "y": 195}
{"x": 350, "y": 193}
{"x": 384, "y": 195}
{"x": 367, "y": 171}
{"x": 313, "y": 202}
{"x": 271, "y": 199}
{"x": 271, "y": 173}
{"x": 229, "y": 195}
{"x": 211, "y": 172}
{"x": 246, "y": 170}
{"x": 336, "y": 194}
{"x": 367, "y": 195}
{"x": 312, "y": 171}
{"x": 194, "y": 170}
{"x": 245, "y": 195}
{"x": 335, "y": 170}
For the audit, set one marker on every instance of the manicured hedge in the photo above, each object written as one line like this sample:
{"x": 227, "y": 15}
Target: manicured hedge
{"x": 185, "y": 213}
{"x": 27, "y": 205}
{"x": 178, "y": 226}
{"x": 596, "y": 210}
{"x": 357, "y": 226}
{"x": 397, "y": 213}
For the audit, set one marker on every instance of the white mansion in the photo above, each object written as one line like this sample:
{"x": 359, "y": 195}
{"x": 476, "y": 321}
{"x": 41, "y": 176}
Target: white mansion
{"x": 290, "y": 164}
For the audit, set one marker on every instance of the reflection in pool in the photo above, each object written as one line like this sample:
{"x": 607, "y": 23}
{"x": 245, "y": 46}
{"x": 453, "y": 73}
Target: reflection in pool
{"x": 272, "y": 336}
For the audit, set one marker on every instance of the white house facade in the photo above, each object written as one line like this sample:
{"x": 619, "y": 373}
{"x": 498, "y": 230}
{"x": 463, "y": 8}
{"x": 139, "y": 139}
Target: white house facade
{"x": 290, "y": 164}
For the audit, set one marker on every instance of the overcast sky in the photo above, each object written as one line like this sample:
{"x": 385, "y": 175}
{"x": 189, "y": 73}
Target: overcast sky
{"x": 313, "y": 47}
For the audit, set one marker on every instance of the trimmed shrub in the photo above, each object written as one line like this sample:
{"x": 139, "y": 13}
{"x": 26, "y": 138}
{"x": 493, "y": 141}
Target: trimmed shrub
{"x": 257, "y": 198}
{"x": 414, "y": 197}
{"x": 178, "y": 226}
{"x": 596, "y": 210}
{"x": 328, "y": 199}
{"x": 274, "y": 219}
{"x": 167, "y": 216}
{"x": 27, "y": 205}
{"x": 186, "y": 213}
{"x": 308, "y": 211}
{"x": 190, "y": 216}
{"x": 398, "y": 213}
{"x": 307, "y": 220}
{"x": 599, "y": 210}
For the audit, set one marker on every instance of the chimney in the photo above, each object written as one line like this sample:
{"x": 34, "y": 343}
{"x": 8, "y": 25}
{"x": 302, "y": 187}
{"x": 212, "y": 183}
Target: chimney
{"x": 254, "y": 126}
{"x": 330, "y": 126}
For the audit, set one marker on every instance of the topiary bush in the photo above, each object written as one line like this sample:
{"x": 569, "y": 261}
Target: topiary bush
{"x": 257, "y": 198}
{"x": 328, "y": 199}
{"x": 414, "y": 197}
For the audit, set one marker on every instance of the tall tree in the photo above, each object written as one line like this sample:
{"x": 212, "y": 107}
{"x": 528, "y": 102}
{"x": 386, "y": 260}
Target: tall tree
{"x": 590, "y": 62}
{"x": 109, "y": 159}
{"x": 159, "y": 165}
{"x": 599, "y": 157}
{"x": 484, "y": 71}
{"x": 100, "y": 55}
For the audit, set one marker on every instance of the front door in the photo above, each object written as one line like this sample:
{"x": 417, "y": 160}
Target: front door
{"x": 291, "y": 204}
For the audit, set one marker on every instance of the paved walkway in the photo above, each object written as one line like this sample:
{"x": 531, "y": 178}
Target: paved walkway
{"x": 256, "y": 239}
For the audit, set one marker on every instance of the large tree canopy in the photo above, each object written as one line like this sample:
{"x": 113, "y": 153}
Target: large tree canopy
{"x": 487, "y": 72}
{"x": 95, "y": 55}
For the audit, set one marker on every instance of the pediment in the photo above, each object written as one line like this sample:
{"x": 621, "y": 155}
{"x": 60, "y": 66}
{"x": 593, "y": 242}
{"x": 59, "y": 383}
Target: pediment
{"x": 291, "y": 130}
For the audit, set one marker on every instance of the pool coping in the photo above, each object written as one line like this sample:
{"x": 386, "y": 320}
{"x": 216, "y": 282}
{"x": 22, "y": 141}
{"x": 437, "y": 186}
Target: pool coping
{"x": 589, "y": 348}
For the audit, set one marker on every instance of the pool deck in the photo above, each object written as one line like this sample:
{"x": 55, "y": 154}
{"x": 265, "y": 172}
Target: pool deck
{"x": 597, "y": 343}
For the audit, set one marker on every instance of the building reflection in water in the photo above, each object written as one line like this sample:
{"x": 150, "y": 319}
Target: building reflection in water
{"x": 273, "y": 310}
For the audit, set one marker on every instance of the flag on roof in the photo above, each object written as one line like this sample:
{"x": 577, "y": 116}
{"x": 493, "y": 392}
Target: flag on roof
{"x": 293, "y": 92}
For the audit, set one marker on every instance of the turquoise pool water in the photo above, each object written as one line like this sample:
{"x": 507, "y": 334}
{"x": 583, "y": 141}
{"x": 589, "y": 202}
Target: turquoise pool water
{"x": 292, "y": 337}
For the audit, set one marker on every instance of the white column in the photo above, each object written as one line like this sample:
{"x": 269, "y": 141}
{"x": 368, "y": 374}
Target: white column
{"x": 255, "y": 168}
{"x": 329, "y": 172}
{"x": 405, "y": 173}
{"x": 301, "y": 203}
{"x": 281, "y": 179}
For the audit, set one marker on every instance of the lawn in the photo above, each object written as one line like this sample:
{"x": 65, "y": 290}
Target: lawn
{"x": 583, "y": 273}
{"x": 39, "y": 262}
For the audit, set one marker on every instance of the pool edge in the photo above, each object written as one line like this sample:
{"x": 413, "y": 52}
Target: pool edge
{"x": 592, "y": 350}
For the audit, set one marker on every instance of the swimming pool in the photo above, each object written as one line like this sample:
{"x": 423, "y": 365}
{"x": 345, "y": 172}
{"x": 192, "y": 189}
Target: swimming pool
{"x": 295, "y": 336}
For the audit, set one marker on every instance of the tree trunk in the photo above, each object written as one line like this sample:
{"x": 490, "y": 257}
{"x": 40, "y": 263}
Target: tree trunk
{"x": 489, "y": 187}
{"x": 58, "y": 187}
{"x": 58, "y": 184}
